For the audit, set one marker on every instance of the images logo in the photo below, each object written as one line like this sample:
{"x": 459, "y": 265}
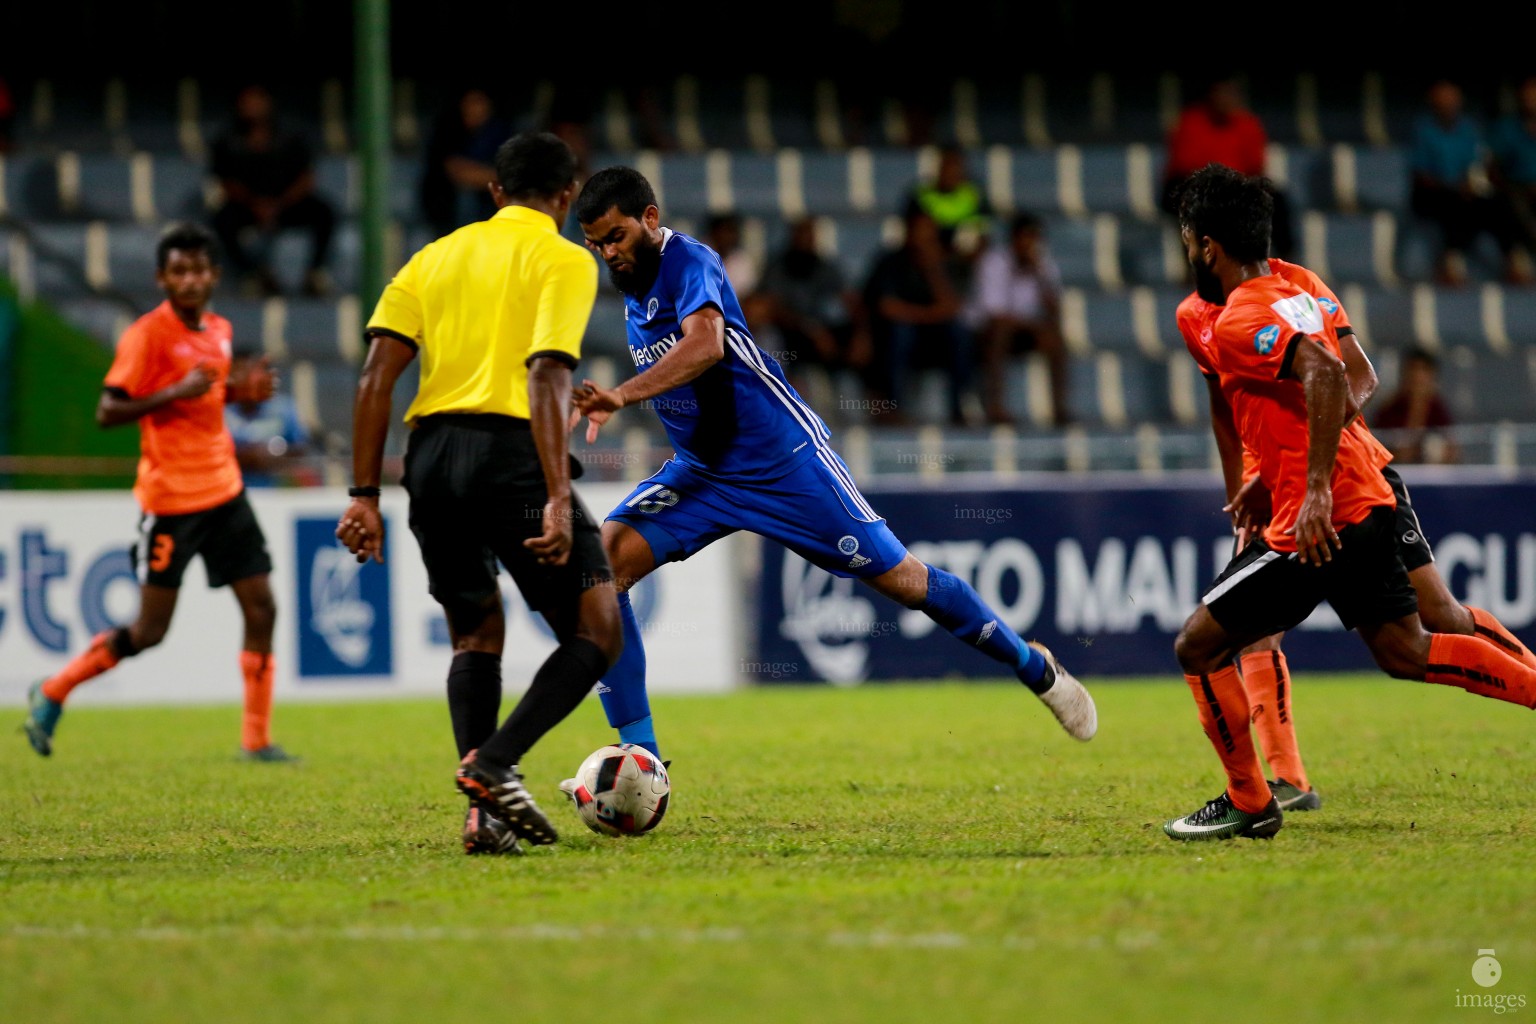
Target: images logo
{"x": 344, "y": 615}
{"x": 1488, "y": 972}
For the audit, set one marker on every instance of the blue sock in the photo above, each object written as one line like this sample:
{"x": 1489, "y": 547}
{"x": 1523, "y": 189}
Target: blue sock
{"x": 956, "y": 606}
{"x": 622, "y": 690}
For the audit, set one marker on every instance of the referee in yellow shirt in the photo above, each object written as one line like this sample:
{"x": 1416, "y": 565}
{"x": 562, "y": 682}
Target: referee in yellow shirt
{"x": 497, "y": 311}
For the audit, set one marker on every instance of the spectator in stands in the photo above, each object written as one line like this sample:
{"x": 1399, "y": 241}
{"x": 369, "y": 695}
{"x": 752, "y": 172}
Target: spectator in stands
{"x": 7, "y": 117}
{"x": 915, "y": 309}
{"x": 1017, "y": 307}
{"x": 270, "y": 439}
{"x": 1220, "y": 129}
{"x": 455, "y": 184}
{"x": 722, "y": 232}
{"x": 1514, "y": 155}
{"x": 957, "y": 205}
{"x": 809, "y": 303}
{"x": 1412, "y": 421}
{"x": 268, "y": 177}
{"x": 1450, "y": 184}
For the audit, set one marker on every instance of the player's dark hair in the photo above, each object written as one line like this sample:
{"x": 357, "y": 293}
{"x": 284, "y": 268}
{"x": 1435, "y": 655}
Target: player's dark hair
{"x": 622, "y": 187}
{"x": 187, "y": 237}
{"x": 1421, "y": 355}
{"x": 535, "y": 165}
{"x": 1025, "y": 221}
{"x": 245, "y": 352}
{"x": 1231, "y": 208}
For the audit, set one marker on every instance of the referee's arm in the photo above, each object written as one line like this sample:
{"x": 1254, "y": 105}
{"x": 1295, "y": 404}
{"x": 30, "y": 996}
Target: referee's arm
{"x": 362, "y": 526}
{"x": 565, "y": 306}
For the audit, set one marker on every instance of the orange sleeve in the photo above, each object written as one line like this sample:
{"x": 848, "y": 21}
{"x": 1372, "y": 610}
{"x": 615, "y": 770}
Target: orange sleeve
{"x": 131, "y": 365}
{"x": 1189, "y": 329}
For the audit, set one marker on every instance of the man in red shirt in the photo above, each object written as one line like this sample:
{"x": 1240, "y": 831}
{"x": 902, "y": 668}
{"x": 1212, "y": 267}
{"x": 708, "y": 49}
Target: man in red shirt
{"x": 1220, "y": 129}
{"x": 1265, "y": 674}
{"x": 169, "y": 375}
{"x": 1332, "y": 532}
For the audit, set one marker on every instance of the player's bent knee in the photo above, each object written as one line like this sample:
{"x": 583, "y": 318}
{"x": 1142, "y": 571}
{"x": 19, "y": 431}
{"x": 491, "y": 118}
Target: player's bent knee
{"x": 1198, "y": 646}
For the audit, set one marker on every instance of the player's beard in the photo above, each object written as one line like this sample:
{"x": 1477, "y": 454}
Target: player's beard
{"x": 1208, "y": 285}
{"x": 639, "y": 280}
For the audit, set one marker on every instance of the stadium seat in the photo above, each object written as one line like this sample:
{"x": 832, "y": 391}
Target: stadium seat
{"x": 31, "y": 187}
{"x": 131, "y": 257}
{"x": 103, "y": 188}
{"x": 755, "y": 185}
{"x": 825, "y": 176}
{"x": 1034, "y": 180}
{"x": 1381, "y": 177}
{"x": 1071, "y": 242}
{"x": 896, "y": 175}
{"x": 179, "y": 188}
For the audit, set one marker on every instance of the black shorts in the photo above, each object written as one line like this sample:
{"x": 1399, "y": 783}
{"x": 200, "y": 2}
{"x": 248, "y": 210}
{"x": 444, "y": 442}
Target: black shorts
{"x": 1263, "y": 591}
{"x": 477, "y": 492}
{"x": 1412, "y": 546}
{"x": 227, "y": 536}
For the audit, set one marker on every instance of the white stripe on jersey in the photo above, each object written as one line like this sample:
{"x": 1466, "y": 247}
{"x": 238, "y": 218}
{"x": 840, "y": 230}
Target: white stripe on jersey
{"x": 835, "y": 464}
{"x": 817, "y": 431}
{"x": 861, "y": 509}
{"x": 749, "y": 352}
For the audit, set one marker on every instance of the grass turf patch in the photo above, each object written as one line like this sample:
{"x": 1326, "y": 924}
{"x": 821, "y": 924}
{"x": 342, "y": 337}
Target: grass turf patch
{"x": 884, "y": 853}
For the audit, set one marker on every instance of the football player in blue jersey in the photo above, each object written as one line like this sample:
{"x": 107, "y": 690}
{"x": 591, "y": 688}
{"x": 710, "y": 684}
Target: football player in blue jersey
{"x": 750, "y": 455}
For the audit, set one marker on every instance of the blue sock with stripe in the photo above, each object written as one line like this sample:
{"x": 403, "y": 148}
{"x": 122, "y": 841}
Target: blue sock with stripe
{"x": 955, "y": 605}
{"x": 622, "y": 689}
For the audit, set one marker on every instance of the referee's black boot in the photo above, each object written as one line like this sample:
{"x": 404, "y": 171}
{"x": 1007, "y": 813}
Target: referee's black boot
{"x": 500, "y": 789}
{"x": 485, "y": 831}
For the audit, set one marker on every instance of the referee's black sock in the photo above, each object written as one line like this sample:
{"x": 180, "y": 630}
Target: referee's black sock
{"x": 566, "y": 677}
{"x": 474, "y": 697}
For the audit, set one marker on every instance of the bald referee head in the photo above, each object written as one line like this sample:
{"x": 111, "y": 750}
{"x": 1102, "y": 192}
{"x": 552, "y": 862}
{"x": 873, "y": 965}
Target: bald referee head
{"x": 497, "y": 310}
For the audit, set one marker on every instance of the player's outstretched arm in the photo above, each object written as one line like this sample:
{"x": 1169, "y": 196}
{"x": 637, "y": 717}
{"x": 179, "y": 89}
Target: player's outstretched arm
{"x": 1326, "y": 389}
{"x": 116, "y": 407}
{"x": 361, "y": 527}
{"x": 701, "y": 346}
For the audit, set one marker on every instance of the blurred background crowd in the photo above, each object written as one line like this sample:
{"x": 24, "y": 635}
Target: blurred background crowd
{"x": 962, "y": 253}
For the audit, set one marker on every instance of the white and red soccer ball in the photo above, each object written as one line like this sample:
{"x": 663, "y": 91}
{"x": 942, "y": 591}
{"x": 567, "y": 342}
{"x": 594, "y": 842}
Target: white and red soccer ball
{"x": 622, "y": 790}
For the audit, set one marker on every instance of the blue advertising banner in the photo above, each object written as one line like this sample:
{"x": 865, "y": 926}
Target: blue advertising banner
{"x": 1104, "y": 571}
{"x": 344, "y": 613}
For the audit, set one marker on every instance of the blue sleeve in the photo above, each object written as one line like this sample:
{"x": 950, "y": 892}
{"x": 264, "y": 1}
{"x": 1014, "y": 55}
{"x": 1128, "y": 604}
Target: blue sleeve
{"x": 293, "y": 427}
{"x": 697, "y": 282}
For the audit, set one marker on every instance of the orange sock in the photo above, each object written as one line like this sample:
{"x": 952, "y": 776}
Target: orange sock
{"x": 1224, "y": 713}
{"x": 1479, "y": 667}
{"x": 88, "y": 664}
{"x": 1267, "y": 680}
{"x": 257, "y": 669}
{"x": 1492, "y": 630}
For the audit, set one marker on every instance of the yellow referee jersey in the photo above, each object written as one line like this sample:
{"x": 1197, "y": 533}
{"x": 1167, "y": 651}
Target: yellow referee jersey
{"x": 480, "y": 303}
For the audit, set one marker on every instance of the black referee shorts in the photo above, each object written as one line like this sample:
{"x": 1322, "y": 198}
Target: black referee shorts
{"x": 477, "y": 492}
{"x": 1412, "y": 545}
{"x": 1263, "y": 591}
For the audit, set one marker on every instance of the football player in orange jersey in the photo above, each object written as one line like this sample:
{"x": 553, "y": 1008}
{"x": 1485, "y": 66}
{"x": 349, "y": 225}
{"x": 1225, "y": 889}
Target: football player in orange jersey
{"x": 169, "y": 376}
{"x": 1331, "y": 535}
{"x": 1266, "y": 676}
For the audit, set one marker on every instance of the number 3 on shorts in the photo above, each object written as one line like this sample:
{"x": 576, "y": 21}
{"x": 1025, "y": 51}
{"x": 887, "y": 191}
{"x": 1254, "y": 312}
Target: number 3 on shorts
{"x": 160, "y": 555}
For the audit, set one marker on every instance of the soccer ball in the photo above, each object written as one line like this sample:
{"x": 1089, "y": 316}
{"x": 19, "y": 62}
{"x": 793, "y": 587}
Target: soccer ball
{"x": 621, "y": 790}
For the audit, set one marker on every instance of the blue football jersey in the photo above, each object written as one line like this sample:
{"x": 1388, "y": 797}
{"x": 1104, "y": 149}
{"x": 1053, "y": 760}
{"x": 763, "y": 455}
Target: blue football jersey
{"x": 740, "y": 419}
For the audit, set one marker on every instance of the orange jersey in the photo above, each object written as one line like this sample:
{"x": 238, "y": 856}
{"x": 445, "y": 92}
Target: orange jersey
{"x": 1250, "y": 352}
{"x": 186, "y": 455}
{"x": 1197, "y": 319}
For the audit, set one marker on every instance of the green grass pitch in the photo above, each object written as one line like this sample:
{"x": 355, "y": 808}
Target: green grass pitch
{"x": 888, "y": 853}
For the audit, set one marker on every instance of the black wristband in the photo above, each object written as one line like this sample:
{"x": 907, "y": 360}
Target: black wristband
{"x": 362, "y": 492}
